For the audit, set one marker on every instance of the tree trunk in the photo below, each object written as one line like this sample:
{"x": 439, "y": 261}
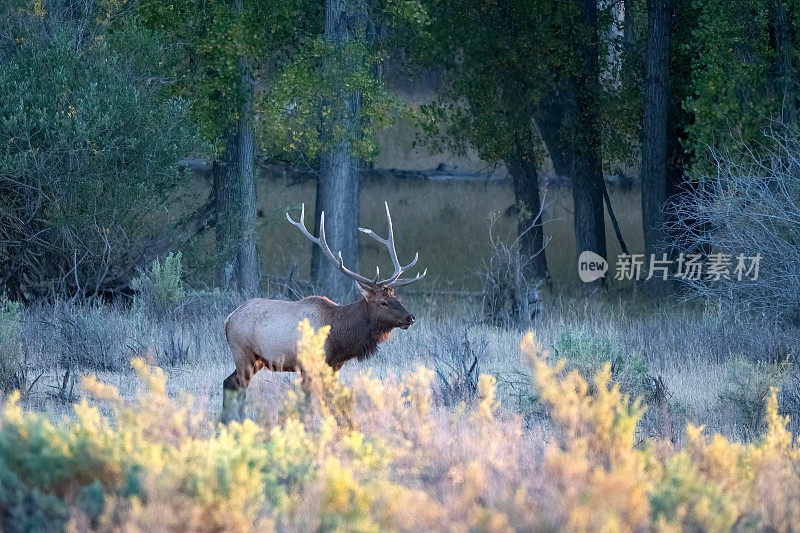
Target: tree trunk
{"x": 526, "y": 194}
{"x": 226, "y": 214}
{"x": 235, "y": 194}
{"x": 587, "y": 199}
{"x": 784, "y": 70}
{"x": 575, "y": 152}
{"x": 654, "y": 133}
{"x": 338, "y": 185}
{"x": 568, "y": 124}
{"x": 248, "y": 271}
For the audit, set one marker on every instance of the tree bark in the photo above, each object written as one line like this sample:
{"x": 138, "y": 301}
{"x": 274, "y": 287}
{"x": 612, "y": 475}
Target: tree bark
{"x": 784, "y": 70}
{"x": 654, "y": 133}
{"x": 577, "y": 154}
{"x": 526, "y": 194}
{"x": 248, "y": 271}
{"x": 226, "y": 214}
{"x": 587, "y": 163}
{"x": 236, "y": 200}
{"x": 567, "y": 121}
{"x": 338, "y": 185}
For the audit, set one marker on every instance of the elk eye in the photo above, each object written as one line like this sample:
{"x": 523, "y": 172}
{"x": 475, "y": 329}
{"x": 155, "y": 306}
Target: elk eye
{"x": 383, "y": 303}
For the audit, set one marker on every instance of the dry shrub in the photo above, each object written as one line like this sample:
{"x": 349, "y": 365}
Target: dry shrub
{"x": 510, "y": 294}
{"x": 10, "y": 349}
{"x": 749, "y": 203}
{"x": 381, "y": 455}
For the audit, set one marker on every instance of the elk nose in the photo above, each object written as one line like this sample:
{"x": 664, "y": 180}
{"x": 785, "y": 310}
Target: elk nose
{"x": 410, "y": 319}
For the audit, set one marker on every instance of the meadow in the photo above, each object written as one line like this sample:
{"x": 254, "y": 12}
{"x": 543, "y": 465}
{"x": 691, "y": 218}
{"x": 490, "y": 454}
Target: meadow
{"x": 613, "y": 413}
{"x": 447, "y": 222}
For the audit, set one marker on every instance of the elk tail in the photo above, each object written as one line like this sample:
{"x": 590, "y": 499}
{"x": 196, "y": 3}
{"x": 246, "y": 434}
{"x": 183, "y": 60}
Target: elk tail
{"x": 227, "y": 327}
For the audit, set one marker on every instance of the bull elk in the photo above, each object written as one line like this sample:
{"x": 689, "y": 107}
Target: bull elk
{"x": 262, "y": 333}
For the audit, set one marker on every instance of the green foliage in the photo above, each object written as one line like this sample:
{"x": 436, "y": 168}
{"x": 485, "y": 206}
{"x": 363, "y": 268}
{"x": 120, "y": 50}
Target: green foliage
{"x": 745, "y": 397}
{"x": 91, "y": 144}
{"x": 306, "y": 108}
{"x": 502, "y": 60}
{"x": 161, "y": 287}
{"x": 24, "y": 508}
{"x": 587, "y": 354}
{"x": 212, "y": 36}
{"x": 91, "y": 500}
{"x": 732, "y": 93}
{"x": 687, "y": 497}
{"x": 315, "y": 85}
{"x": 10, "y": 349}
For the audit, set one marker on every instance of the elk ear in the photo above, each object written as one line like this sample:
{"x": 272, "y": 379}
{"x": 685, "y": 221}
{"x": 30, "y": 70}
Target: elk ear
{"x": 365, "y": 290}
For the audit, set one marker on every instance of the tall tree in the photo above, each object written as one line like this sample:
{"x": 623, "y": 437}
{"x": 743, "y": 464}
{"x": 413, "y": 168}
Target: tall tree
{"x": 569, "y": 117}
{"x": 338, "y": 184}
{"x": 523, "y": 78}
{"x": 654, "y": 132}
{"x": 221, "y": 42}
{"x": 325, "y": 108}
{"x": 240, "y": 155}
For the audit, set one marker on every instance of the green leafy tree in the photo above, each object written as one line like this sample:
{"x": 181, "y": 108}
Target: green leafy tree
{"x": 524, "y": 78}
{"x": 224, "y": 45}
{"x": 326, "y": 106}
{"x": 742, "y": 74}
{"x": 90, "y": 149}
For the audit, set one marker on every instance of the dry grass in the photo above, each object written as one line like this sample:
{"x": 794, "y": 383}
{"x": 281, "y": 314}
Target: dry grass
{"x": 358, "y": 452}
{"x": 692, "y": 350}
{"x": 447, "y": 222}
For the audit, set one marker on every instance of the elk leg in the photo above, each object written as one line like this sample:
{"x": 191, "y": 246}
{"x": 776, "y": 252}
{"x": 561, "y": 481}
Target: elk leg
{"x": 234, "y": 394}
{"x": 305, "y": 379}
{"x": 234, "y": 390}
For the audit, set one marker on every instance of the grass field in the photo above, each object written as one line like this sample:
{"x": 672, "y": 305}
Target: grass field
{"x": 451, "y": 418}
{"x": 516, "y": 444}
{"x": 447, "y": 222}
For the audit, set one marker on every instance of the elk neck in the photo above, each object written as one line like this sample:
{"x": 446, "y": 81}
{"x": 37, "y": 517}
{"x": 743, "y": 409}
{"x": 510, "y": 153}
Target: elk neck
{"x": 355, "y": 333}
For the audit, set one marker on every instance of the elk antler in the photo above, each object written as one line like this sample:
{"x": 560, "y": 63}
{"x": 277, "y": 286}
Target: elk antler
{"x": 393, "y": 281}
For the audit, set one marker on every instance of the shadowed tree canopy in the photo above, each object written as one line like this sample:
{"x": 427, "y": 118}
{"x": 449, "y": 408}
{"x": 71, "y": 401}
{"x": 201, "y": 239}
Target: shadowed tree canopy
{"x": 91, "y": 144}
{"x": 528, "y": 76}
{"x": 228, "y": 48}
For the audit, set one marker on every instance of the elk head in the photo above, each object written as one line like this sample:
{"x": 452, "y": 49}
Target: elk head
{"x": 386, "y": 309}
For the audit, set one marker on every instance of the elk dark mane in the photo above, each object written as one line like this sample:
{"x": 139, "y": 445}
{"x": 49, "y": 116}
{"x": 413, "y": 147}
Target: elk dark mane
{"x": 355, "y": 333}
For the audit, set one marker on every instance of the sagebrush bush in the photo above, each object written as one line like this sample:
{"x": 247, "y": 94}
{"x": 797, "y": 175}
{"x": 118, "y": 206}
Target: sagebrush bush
{"x": 160, "y": 288}
{"x": 744, "y": 398}
{"x": 380, "y": 455}
{"x": 90, "y": 337}
{"x": 588, "y": 354}
{"x": 10, "y": 357}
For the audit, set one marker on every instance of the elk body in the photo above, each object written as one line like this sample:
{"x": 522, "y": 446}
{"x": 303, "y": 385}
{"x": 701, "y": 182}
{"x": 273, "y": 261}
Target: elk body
{"x": 262, "y": 333}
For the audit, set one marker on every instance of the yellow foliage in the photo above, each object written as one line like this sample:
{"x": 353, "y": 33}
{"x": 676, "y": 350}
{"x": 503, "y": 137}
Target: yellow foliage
{"x": 382, "y": 455}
